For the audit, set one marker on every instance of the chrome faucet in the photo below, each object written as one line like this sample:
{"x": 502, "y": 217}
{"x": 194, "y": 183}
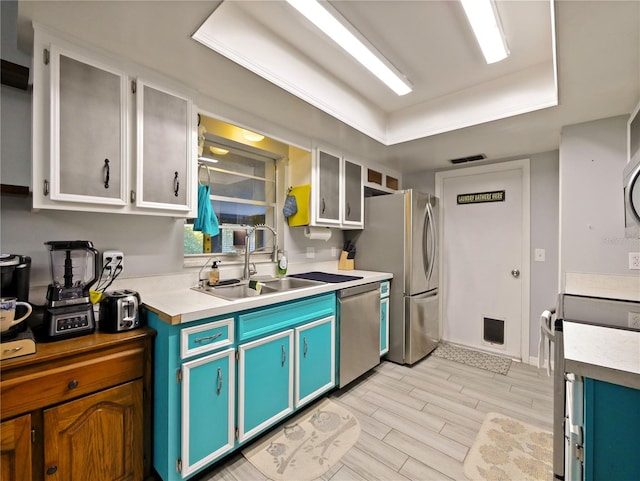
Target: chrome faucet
{"x": 246, "y": 272}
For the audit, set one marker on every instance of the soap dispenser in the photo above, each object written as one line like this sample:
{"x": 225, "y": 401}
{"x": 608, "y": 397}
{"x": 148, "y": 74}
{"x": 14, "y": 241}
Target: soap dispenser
{"x": 214, "y": 274}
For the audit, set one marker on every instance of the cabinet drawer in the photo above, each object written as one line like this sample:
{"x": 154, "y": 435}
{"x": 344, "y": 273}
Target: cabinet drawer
{"x": 384, "y": 288}
{"x": 281, "y": 316}
{"x": 206, "y": 337}
{"x": 51, "y": 386}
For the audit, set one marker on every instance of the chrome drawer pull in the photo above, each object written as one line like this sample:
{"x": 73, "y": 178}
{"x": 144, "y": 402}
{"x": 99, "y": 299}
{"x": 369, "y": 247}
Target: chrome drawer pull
{"x": 219, "y": 382}
{"x": 208, "y": 338}
{"x": 306, "y": 347}
{"x": 284, "y": 355}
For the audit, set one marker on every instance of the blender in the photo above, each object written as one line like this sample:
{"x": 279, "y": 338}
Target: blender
{"x": 74, "y": 269}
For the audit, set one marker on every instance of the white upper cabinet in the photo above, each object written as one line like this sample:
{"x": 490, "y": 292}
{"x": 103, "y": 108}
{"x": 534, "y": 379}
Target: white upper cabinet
{"x": 164, "y": 147}
{"x": 337, "y": 190}
{"x": 353, "y": 212}
{"x": 108, "y": 135}
{"x": 88, "y": 130}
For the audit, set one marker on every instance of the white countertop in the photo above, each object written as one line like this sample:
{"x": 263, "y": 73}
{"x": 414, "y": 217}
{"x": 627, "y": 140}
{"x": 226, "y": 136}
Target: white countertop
{"x": 597, "y": 351}
{"x": 182, "y": 304}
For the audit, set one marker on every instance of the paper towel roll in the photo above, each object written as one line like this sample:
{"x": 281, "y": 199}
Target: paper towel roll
{"x": 320, "y": 233}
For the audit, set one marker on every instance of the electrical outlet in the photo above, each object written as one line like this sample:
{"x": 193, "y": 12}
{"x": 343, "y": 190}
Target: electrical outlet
{"x": 634, "y": 260}
{"x": 311, "y": 252}
{"x": 634, "y": 320}
{"x": 111, "y": 259}
{"x": 334, "y": 252}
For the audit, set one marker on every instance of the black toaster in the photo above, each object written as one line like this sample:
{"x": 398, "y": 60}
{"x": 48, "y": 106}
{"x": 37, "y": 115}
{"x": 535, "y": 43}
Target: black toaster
{"x": 119, "y": 311}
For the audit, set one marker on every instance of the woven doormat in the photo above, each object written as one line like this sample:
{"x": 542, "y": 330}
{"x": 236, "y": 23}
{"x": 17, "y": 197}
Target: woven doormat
{"x": 481, "y": 360}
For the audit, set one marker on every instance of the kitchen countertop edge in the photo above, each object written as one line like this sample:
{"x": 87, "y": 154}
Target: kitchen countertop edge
{"x": 184, "y": 304}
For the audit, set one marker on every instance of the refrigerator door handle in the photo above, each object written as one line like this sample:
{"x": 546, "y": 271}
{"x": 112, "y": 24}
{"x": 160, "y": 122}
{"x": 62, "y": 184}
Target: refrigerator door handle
{"x": 431, "y": 230}
{"x": 426, "y": 261}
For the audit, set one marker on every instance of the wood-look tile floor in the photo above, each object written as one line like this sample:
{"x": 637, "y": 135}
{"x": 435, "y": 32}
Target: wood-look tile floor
{"x": 419, "y": 422}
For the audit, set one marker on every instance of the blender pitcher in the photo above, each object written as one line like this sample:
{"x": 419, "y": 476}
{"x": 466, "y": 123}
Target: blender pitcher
{"x": 74, "y": 269}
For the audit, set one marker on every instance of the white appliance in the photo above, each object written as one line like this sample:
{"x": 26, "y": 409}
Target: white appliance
{"x": 631, "y": 178}
{"x": 400, "y": 236}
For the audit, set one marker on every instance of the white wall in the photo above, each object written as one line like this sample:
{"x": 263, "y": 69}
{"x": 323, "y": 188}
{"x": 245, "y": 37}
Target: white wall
{"x": 592, "y": 157}
{"x": 544, "y": 233}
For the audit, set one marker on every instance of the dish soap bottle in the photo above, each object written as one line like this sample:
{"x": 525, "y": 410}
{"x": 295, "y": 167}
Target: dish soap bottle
{"x": 214, "y": 274}
{"x": 282, "y": 263}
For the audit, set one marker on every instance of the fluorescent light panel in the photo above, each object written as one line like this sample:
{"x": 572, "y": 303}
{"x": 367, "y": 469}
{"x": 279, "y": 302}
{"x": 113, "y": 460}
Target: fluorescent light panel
{"x": 337, "y": 31}
{"x": 485, "y": 23}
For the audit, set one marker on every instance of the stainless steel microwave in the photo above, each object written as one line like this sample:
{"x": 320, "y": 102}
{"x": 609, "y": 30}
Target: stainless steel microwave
{"x": 631, "y": 178}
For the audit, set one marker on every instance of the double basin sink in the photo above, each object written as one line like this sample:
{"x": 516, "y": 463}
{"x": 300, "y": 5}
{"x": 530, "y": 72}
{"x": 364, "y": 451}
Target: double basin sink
{"x": 241, "y": 289}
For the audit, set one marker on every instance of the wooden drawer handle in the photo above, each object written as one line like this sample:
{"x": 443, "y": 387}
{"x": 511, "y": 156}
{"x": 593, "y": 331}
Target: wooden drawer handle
{"x": 73, "y": 384}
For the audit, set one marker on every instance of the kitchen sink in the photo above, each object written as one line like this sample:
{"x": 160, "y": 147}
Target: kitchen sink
{"x": 269, "y": 286}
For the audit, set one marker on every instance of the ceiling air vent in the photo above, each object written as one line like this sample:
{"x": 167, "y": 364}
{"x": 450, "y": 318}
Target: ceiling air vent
{"x": 470, "y": 158}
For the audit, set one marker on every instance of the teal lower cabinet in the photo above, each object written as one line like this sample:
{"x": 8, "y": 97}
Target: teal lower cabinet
{"x": 208, "y": 409}
{"x": 221, "y": 381}
{"x": 611, "y": 427}
{"x": 265, "y": 383}
{"x": 384, "y": 317}
{"x": 315, "y": 358}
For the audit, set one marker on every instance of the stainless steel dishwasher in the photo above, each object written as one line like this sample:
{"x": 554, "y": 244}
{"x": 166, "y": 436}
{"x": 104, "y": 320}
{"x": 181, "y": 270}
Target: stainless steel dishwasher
{"x": 359, "y": 309}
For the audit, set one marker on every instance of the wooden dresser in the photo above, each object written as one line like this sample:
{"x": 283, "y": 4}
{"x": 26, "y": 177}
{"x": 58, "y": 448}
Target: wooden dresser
{"x": 80, "y": 406}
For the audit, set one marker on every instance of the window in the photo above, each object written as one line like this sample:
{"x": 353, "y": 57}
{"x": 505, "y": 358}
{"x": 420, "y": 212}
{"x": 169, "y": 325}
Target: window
{"x": 242, "y": 179}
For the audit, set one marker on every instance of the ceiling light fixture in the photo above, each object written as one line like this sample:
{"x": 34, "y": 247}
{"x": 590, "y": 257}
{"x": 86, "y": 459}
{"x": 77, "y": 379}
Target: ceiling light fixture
{"x": 218, "y": 150}
{"x": 484, "y": 20}
{"x": 346, "y": 36}
{"x": 252, "y": 136}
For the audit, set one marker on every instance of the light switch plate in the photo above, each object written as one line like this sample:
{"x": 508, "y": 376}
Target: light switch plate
{"x": 540, "y": 255}
{"x": 311, "y": 252}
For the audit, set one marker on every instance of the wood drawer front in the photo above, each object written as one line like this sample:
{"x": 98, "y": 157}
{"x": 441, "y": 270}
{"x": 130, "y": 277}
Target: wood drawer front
{"x": 44, "y": 388}
{"x": 206, "y": 337}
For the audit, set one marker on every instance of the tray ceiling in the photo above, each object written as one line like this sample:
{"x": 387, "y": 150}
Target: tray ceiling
{"x": 431, "y": 42}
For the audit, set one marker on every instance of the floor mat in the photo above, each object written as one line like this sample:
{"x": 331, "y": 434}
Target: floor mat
{"x": 482, "y": 360}
{"x": 508, "y": 449}
{"x": 306, "y": 447}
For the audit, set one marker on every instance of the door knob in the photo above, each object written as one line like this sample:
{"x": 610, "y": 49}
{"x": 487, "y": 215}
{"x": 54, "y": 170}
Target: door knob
{"x": 515, "y": 273}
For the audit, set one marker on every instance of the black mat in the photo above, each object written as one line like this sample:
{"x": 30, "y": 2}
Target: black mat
{"x": 325, "y": 277}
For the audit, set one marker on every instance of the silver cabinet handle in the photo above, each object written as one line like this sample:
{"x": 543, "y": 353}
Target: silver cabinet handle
{"x": 219, "y": 390}
{"x": 208, "y": 338}
{"x": 306, "y": 347}
{"x": 284, "y": 355}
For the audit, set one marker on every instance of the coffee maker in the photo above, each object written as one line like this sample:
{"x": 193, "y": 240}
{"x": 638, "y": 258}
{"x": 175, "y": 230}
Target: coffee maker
{"x": 74, "y": 269}
{"x": 14, "y": 276}
{"x": 15, "y": 271}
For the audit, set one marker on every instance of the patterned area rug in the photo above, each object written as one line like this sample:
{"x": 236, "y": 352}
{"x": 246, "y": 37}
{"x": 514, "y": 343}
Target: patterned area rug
{"x": 507, "y": 449}
{"x": 308, "y": 446}
{"x": 473, "y": 358}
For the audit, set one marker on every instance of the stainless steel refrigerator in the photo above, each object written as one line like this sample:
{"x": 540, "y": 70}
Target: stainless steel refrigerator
{"x": 400, "y": 236}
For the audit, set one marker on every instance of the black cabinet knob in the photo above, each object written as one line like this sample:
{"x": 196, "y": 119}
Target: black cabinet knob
{"x": 73, "y": 384}
{"x": 51, "y": 470}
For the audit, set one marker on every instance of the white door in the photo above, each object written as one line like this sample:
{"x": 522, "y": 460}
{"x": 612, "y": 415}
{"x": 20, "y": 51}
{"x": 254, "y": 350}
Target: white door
{"x": 485, "y": 260}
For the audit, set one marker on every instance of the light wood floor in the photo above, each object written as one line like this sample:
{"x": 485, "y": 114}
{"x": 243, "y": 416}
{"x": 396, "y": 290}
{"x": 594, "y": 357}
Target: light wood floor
{"x": 419, "y": 422}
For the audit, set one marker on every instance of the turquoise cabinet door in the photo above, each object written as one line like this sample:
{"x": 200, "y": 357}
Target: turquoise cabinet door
{"x": 265, "y": 383}
{"x": 611, "y": 427}
{"x": 384, "y": 326}
{"x": 208, "y": 387}
{"x": 315, "y": 359}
